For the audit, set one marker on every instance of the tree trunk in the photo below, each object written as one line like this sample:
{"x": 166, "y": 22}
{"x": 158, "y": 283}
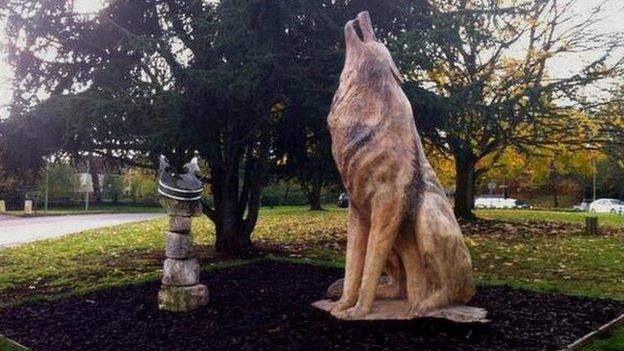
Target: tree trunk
{"x": 314, "y": 196}
{"x": 553, "y": 183}
{"x": 464, "y": 186}
{"x": 232, "y": 236}
{"x": 236, "y": 205}
{"x": 555, "y": 196}
{"x": 97, "y": 191}
{"x": 231, "y": 230}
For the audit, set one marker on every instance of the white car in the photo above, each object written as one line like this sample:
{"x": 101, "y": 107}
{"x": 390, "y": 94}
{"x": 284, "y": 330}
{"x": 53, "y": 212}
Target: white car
{"x": 498, "y": 202}
{"x": 607, "y": 205}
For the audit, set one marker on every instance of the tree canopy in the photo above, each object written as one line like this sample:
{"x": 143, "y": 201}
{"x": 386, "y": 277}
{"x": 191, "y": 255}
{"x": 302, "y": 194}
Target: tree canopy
{"x": 239, "y": 83}
{"x": 484, "y": 66}
{"x": 246, "y": 86}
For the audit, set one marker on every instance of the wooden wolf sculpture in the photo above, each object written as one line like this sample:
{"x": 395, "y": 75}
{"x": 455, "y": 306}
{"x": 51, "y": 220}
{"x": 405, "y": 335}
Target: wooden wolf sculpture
{"x": 399, "y": 216}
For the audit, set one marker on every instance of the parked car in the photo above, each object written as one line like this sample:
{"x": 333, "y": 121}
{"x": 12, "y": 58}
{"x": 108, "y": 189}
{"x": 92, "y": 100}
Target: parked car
{"x": 499, "y": 202}
{"x": 522, "y": 204}
{"x": 583, "y": 206}
{"x": 607, "y": 205}
{"x": 343, "y": 200}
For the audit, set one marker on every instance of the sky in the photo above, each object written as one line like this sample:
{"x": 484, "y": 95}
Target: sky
{"x": 613, "y": 21}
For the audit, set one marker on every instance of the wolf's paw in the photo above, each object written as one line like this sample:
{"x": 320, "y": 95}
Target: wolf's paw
{"x": 431, "y": 303}
{"x": 342, "y": 305}
{"x": 417, "y": 310}
{"x": 354, "y": 312}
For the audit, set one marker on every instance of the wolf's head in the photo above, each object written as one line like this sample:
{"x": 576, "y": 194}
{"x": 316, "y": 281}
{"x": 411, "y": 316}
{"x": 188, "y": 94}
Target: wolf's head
{"x": 367, "y": 60}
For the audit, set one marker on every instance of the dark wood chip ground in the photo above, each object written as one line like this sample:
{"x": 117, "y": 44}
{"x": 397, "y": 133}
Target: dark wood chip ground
{"x": 267, "y": 306}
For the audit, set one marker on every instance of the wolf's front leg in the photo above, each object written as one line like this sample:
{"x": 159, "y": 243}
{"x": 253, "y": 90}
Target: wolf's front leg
{"x": 357, "y": 236}
{"x": 386, "y": 217}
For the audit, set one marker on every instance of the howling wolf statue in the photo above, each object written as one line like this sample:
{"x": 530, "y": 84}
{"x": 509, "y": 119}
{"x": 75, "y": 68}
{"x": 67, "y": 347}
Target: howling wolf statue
{"x": 400, "y": 220}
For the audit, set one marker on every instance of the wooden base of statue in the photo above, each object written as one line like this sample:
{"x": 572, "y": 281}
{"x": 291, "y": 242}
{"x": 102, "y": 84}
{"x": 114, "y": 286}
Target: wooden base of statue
{"x": 399, "y": 310}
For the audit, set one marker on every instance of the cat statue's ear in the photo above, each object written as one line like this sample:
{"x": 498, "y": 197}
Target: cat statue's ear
{"x": 163, "y": 164}
{"x": 192, "y": 167}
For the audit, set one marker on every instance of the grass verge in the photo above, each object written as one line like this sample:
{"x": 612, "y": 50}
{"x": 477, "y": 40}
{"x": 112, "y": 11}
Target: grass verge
{"x": 614, "y": 342}
{"x": 560, "y": 216}
{"x": 10, "y": 345}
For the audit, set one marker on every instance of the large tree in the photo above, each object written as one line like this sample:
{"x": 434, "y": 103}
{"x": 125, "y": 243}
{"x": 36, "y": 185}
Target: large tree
{"x": 611, "y": 168}
{"x": 480, "y": 76}
{"x": 182, "y": 78}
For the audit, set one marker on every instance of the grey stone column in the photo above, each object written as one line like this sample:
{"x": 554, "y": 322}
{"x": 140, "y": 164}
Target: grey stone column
{"x": 180, "y": 290}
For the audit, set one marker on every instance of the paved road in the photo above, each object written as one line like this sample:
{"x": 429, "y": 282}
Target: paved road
{"x": 15, "y": 231}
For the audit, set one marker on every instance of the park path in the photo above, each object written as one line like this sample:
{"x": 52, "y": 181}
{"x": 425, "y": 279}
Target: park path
{"x": 15, "y": 231}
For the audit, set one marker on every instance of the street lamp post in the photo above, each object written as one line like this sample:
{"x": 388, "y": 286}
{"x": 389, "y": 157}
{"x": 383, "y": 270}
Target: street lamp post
{"x": 47, "y": 185}
{"x": 504, "y": 187}
{"x": 87, "y": 188}
{"x": 594, "y": 181}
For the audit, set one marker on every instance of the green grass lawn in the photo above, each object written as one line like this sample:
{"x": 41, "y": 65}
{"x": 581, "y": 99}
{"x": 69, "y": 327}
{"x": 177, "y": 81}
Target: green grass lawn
{"x": 133, "y": 253}
{"x": 9, "y": 345}
{"x": 561, "y": 216}
{"x": 615, "y": 342}
{"x": 573, "y": 264}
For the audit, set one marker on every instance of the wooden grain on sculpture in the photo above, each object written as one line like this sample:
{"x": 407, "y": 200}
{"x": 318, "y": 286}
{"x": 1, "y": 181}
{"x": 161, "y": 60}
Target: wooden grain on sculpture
{"x": 400, "y": 220}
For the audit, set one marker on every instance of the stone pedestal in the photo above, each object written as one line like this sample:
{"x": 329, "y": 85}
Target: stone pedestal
{"x": 591, "y": 225}
{"x": 2, "y": 206}
{"x": 182, "y": 298}
{"x": 180, "y": 290}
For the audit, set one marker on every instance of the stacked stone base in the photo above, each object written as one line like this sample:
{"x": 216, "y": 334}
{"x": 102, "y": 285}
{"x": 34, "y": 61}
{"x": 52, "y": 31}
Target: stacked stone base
{"x": 182, "y": 298}
{"x": 180, "y": 290}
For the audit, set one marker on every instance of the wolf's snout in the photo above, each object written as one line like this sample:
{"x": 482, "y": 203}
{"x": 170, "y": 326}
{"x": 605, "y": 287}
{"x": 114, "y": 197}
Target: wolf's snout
{"x": 366, "y": 26}
{"x": 359, "y": 30}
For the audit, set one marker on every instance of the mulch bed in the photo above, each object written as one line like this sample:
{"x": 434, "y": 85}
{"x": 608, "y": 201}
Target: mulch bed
{"x": 266, "y": 305}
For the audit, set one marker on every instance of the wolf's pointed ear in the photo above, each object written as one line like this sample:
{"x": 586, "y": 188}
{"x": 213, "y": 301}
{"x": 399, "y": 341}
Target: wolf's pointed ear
{"x": 395, "y": 72}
